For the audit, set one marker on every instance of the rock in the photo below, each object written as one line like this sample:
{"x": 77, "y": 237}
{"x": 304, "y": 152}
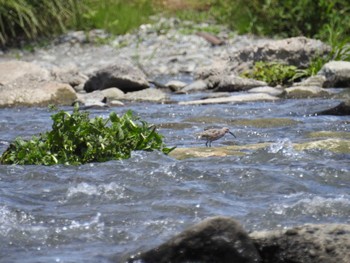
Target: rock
{"x": 69, "y": 75}
{"x": 340, "y": 110}
{"x": 25, "y": 92}
{"x": 93, "y": 99}
{"x": 230, "y": 83}
{"x": 12, "y": 70}
{"x": 268, "y": 90}
{"x": 113, "y": 94}
{"x": 300, "y": 92}
{"x": 150, "y": 94}
{"x": 297, "y": 51}
{"x": 317, "y": 80}
{"x": 233, "y": 99}
{"x": 175, "y": 85}
{"x": 196, "y": 86}
{"x": 327, "y": 243}
{"x": 123, "y": 76}
{"x": 337, "y": 74}
{"x": 216, "y": 239}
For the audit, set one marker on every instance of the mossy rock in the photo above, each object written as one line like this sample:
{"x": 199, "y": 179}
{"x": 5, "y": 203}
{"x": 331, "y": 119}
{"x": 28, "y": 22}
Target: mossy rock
{"x": 334, "y": 145}
{"x": 329, "y": 134}
{"x": 265, "y": 122}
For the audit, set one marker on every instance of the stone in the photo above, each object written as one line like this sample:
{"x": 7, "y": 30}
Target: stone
{"x": 70, "y": 75}
{"x": 299, "y": 92}
{"x": 25, "y": 92}
{"x": 317, "y": 80}
{"x": 175, "y": 85}
{"x": 216, "y": 239}
{"x": 123, "y": 76}
{"x": 297, "y": 51}
{"x": 12, "y": 70}
{"x": 150, "y": 94}
{"x": 113, "y": 94}
{"x": 268, "y": 90}
{"x": 92, "y": 99}
{"x": 233, "y": 99}
{"x": 196, "y": 86}
{"x": 341, "y": 109}
{"x": 337, "y": 74}
{"x": 324, "y": 243}
{"x": 231, "y": 83}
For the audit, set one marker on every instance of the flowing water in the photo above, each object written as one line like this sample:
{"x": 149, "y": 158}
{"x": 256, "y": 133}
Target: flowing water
{"x": 104, "y": 212}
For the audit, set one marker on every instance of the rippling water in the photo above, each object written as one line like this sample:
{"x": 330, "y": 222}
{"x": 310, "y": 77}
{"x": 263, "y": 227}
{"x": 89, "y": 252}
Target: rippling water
{"x": 103, "y": 212}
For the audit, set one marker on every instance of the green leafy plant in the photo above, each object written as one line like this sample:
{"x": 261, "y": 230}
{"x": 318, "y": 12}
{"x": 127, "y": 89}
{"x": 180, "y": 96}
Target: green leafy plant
{"x": 77, "y": 139}
{"x": 274, "y": 73}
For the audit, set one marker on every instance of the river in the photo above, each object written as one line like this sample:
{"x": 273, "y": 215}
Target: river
{"x": 104, "y": 212}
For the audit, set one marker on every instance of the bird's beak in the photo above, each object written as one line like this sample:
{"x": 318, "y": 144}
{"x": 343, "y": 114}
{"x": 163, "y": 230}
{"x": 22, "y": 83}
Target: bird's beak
{"x": 232, "y": 134}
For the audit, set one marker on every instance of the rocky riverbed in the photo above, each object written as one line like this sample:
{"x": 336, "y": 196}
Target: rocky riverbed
{"x": 174, "y": 62}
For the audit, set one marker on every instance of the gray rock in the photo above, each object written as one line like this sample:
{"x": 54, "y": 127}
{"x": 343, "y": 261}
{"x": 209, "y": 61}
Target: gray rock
{"x": 297, "y": 51}
{"x": 92, "y": 99}
{"x": 198, "y": 85}
{"x": 273, "y": 91}
{"x": 26, "y": 92}
{"x": 12, "y": 70}
{"x": 123, "y": 76}
{"x": 175, "y": 85}
{"x": 317, "y": 80}
{"x": 300, "y": 92}
{"x": 337, "y": 74}
{"x": 214, "y": 240}
{"x": 150, "y": 94}
{"x": 113, "y": 94}
{"x": 328, "y": 243}
{"x": 233, "y": 99}
{"x": 69, "y": 75}
{"x": 230, "y": 83}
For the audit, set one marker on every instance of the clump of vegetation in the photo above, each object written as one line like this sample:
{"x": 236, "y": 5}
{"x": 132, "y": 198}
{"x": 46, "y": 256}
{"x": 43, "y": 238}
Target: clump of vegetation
{"x": 77, "y": 139}
{"x": 274, "y": 73}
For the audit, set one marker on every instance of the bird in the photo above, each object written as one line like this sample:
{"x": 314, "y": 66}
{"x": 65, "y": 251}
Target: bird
{"x": 211, "y": 135}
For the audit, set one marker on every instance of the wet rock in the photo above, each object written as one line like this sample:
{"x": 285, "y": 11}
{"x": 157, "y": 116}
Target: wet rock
{"x": 26, "y": 92}
{"x": 297, "y": 51}
{"x": 268, "y": 90}
{"x": 12, "y": 70}
{"x": 175, "y": 85}
{"x": 336, "y": 145}
{"x": 233, "y": 99}
{"x": 123, "y": 76}
{"x": 231, "y": 83}
{"x": 300, "y": 92}
{"x": 150, "y": 94}
{"x": 328, "y": 243}
{"x": 340, "y": 110}
{"x": 92, "y": 99}
{"x": 196, "y": 86}
{"x": 337, "y": 74}
{"x": 217, "y": 239}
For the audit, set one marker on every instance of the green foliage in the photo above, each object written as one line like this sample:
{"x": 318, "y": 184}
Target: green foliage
{"x": 29, "y": 19}
{"x": 284, "y": 18}
{"x": 116, "y": 16}
{"x": 77, "y": 139}
{"x": 274, "y": 73}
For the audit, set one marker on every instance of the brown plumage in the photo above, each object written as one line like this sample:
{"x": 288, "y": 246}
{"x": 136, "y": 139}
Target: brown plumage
{"x": 211, "y": 135}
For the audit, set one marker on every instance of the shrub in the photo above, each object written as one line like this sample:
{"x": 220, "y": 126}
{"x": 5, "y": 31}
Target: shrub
{"x": 274, "y": 73}
{"x": 77, "y": 139}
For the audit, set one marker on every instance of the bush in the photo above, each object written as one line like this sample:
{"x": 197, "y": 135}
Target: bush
{"x": 274, "y": 73}
{"x": 77, "y": 139}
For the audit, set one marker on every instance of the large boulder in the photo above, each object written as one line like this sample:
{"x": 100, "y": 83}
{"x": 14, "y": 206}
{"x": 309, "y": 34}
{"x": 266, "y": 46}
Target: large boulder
{"x": 328, "y": 243}
{"x": 217, "y": 239}
{"x": 337, "y": 74}
{"x": 27, "y": 92}
{"x": 297, "y": 51}
{"x": 14, "y": 69}
{"x": 123, "y": 76}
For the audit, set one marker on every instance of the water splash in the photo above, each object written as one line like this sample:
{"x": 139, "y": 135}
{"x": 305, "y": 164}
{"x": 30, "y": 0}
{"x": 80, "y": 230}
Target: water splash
{"x": 284, "y": 147}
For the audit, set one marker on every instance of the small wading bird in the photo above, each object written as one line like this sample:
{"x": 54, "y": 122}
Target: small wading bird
{"x": 211, "y": 135}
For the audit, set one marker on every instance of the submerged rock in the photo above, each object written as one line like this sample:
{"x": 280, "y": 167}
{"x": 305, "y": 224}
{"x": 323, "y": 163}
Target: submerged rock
{"x": 217, "y": 239}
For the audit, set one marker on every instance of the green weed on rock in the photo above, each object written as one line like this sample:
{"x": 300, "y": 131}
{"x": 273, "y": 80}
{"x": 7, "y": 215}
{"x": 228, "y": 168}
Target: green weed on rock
{"x": 77, "y": 139}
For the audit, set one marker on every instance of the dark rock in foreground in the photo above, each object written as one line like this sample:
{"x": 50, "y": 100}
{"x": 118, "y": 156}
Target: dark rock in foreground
{"x": 223, "y": 240}
{"x": 217, "y": 239}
